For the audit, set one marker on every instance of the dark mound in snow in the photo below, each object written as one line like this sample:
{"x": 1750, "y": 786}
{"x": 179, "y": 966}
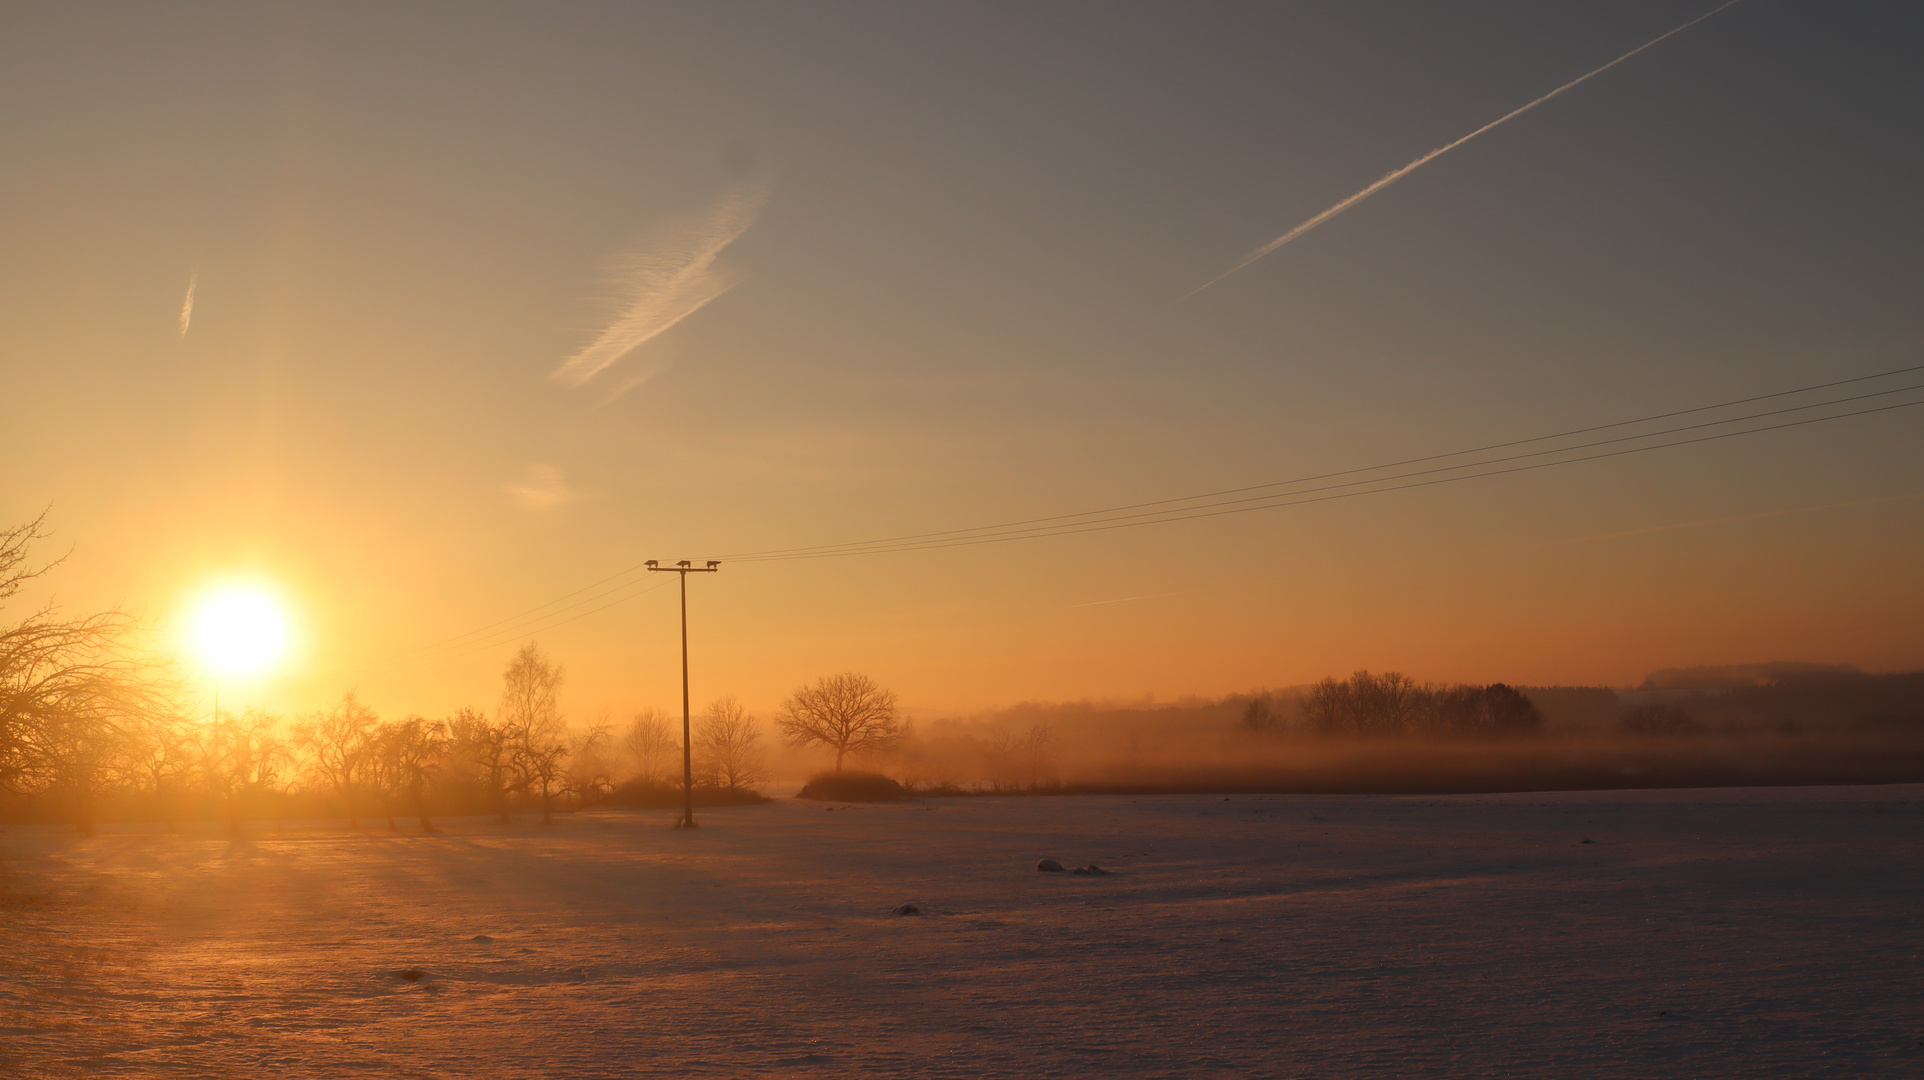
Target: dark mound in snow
{"x": 853, "y": 787}
{"x": 908, "y": 909}
{"x": 412, "y": 975}
{"x": 1091, "y": 870}
{"x": 1049, "y": 866}
{"x": 643, "y": 795}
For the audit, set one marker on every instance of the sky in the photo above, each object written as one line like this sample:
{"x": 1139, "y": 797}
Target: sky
{"x": 424, "y": 317}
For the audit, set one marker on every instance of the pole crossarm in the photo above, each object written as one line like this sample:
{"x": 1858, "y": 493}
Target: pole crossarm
{"x": 685, "y": 567}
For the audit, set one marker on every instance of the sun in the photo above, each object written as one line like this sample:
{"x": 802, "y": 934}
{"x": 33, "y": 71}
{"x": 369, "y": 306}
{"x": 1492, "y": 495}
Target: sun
{"x": 239, "y": 630}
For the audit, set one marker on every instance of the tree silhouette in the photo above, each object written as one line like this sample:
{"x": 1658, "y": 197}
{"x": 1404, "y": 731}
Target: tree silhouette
{"x": 340, "y": 748}
{"x": 490, "y": 746}
{"x": 73, "y": 692}
{"x": 730, "y": 745}
{"x": 652, "y": 746}
{"x": 1393, "y": 704}
{"x": 531, "y": 712}
{"x": 1036, "y": 744}
{"x": 240, "y": 759}
{"x": 590, "y": 776}
{"x": 159, "y": 761}
{"x": 408, "y": 754}
{"x": 847, "y": 713}
{"x": 540, "y": 767}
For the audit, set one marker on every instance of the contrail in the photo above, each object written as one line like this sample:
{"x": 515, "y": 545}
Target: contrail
{"x": 1399, "y": 174}
{"x": 669, "y": 276}
{"x": 187, "y": 306}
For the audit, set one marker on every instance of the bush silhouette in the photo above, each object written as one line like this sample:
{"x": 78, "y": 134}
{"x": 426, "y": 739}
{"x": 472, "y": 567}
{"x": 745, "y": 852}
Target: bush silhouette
{"x": 853, "y": 787}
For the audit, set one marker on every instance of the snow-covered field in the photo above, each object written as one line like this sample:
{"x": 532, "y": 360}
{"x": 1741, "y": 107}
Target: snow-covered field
{"x": 1743, "y": 932}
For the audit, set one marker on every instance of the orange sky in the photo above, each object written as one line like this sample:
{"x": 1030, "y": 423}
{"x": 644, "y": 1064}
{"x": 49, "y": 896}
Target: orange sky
{"x": 490, "y": 305}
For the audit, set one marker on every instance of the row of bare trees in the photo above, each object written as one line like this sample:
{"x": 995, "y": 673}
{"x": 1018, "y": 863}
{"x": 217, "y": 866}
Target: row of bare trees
{"x": 1371, "y": 705}
{"x": 344, "y": 759}
{"x": 728, "y": 752}
{"x": 847, "y": 714}
{"x": 90, "y": 713}
{"x": 85, "y": 718}
{"x": 93, "y": 718}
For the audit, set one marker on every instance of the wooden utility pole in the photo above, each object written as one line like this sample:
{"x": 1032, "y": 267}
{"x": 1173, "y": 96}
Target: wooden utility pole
{"x": 685, "y": 568}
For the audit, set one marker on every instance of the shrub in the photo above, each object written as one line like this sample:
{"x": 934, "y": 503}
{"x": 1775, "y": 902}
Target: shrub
{"x": 853, "y": 787}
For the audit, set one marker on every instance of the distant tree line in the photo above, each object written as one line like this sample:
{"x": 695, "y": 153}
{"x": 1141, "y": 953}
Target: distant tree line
{"x": 1370, "y": 705}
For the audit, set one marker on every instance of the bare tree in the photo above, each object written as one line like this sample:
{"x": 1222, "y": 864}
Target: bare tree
{"x": 1364, "y": 704}
{"x": 80, "y": 746}
{"x": 590, "y": 776}
{"x": 531, "y": 712}
{"x": 423, "y": 755}
{"x": 1002, "y": 751}
{"x": 1036, "y": 744}
{"x": 490, "y": 746}
{"x": 158, "y": 761}
{"x": 1258, "y": 716}
{"x": 340, "y": 748}
{"x": 72, "y": 691}
{"x": 729, "y": 743}
{"x": 541, "y": 768}
{"x": 1386, "y": 702}
{"x": 240, "y": 759}
{"x": 1509, "y": 711}
{"x": 652, "y": 746}
{"x": 404, "y": 755}
{"x": 531, "y": 692}
{"x": 32, "y": 654}
{"x": 267, "y": 759}
{"x": 847, "y": 713}
{"x": 1329, "y": 706}
{"x": 1393, "y": 704}
{"x": 381, "y": 773}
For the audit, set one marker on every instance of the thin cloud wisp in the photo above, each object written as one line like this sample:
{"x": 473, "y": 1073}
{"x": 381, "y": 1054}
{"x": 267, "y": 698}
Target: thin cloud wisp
{"x": 669, "y": 276}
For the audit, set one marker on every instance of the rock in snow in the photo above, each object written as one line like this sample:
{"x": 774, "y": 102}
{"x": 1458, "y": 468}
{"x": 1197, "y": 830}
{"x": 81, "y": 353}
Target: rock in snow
{"x": 1049, "y": 866}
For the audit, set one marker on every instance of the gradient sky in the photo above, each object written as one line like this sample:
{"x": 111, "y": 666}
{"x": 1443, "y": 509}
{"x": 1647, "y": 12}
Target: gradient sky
{"x": 944, "y": 250}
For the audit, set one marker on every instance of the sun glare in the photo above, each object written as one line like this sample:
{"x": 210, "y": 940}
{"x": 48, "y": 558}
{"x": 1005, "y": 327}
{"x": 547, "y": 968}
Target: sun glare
{"x": 239, "y": 631}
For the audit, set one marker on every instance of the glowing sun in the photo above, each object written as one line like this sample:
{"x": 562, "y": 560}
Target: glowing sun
{"x": 239, "y": 630}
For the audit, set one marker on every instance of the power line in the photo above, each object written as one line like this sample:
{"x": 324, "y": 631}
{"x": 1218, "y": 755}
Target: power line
{"x": 1192, "y": 507}
{"x": 1182, "y": 508}
{"x": 502, "y": 637}
{"x": 1105, "y": 526}
{"x": 1343, "y": 472}
{"x": 512, "y": 618}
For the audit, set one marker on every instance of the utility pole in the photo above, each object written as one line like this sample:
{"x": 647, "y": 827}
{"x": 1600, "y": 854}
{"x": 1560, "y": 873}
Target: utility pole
{"x": 685, "y": 568}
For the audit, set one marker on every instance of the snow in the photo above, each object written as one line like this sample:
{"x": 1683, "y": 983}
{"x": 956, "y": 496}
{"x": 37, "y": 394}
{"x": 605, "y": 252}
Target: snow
{"x": 1753, "y": 932}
